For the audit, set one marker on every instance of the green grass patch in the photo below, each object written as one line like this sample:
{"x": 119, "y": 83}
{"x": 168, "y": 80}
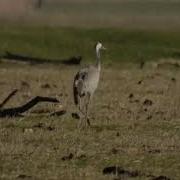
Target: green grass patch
{"x": 59, "y": 43}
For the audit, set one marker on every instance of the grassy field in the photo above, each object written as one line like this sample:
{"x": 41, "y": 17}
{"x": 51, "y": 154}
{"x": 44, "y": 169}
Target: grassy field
{"x": 135, "y": 111}
{"x": 135, "y": 124}
{"x": 59, "y": 43}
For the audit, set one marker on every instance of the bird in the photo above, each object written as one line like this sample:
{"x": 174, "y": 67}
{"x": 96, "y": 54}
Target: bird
{"x": 86, "y": 82}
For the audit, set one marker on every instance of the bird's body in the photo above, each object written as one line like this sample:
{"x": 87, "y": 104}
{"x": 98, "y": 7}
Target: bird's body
{"x": 86, "y": 81}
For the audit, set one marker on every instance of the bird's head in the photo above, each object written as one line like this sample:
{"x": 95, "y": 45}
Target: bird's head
{"x": 99, "y": 46}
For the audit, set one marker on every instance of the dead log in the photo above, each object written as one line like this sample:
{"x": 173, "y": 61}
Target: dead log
{"x": 75, "y": 60}
{"x": 16, "y": 111}
{"x": 8, "y": 98}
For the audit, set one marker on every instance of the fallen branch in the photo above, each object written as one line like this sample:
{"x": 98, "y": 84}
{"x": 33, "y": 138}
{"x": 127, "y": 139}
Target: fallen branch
{"x": 8, "y": 98}
{"x": 12, "y": 112}
{"x": 169, "y": 62}
{"x": 75, "y": 60}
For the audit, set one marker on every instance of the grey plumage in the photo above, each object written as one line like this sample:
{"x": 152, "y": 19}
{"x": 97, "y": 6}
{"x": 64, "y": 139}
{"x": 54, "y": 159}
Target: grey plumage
{"x": 86, "y": 82}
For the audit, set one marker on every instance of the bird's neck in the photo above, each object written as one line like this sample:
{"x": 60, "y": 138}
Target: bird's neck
{"x": 98, "y": 59}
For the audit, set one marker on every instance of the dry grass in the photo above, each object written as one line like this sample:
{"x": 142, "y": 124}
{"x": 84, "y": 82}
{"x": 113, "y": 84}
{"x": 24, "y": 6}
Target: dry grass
{"x": 135, "y": 116}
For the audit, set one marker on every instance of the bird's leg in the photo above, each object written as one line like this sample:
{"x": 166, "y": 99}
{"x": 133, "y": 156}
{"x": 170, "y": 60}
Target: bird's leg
{"x": 87, "y": 108}
{"x": 80, "y": 107}
{"x": 81, "y": 112}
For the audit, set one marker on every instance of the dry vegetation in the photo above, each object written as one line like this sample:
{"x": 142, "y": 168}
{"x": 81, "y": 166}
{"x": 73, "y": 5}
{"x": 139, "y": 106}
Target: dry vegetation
{"x": 149, "y": 14}
{"x": 135, "y": 116}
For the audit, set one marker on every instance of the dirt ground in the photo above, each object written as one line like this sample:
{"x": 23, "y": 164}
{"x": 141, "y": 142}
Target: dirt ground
{"x": 134, "y": 115}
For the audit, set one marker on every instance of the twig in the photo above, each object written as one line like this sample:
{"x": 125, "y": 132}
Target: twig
{"x": 8, "y": 98}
